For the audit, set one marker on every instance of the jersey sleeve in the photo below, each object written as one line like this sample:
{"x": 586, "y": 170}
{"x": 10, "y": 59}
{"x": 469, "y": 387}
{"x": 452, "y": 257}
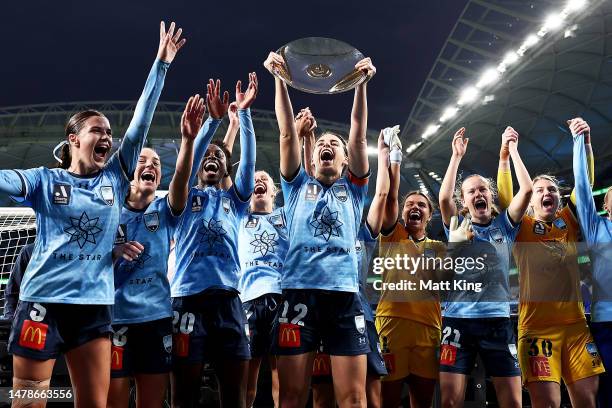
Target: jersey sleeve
{"x": 291, "y": 189}
{"x": 205, "y": 135}
{"x": 24, "y": 184}
{"x": 245, "y": 175}
{"x": 585, "y": 204}
{"x": 504, "y": 188}
{"x": 241, "y": 205}
{"x": 169, "y": 214}
{"x": 365, "y": 233}
{"x": 358, "y": 187}
{"x": 135, "y": 135}
{"x": 509, "y": 227}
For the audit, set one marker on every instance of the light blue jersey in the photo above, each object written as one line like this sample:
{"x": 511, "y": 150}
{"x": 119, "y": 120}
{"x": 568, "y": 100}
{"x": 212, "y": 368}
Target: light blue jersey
{"x": 142, "y": 290}
{"x": 493, "y": 244}
{"x": 77, "y": 216}
{"x": 262, "y": 246}
{"x": 323, "y": 223}
{"x": 366, "y": 244}
{"x": 207, "y": 234}
{"x": 597, "y": 232}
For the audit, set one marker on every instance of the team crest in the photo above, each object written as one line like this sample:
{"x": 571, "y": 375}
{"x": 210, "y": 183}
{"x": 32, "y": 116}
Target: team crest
{"x": 108, "y": 195}
{"x": 429, "y": 253}
{"x": 61, "y": 194}
{"x": 226, "y": 203}
{"x": 252, "y": 222}
{"x": 151, "y": 221}
{"x": 196, "y": 203}
{"x": 496, "y": 235}
{"x": 360, "y": 324}
{"x": 340, "y": 192}
{"x": 559, "y": 223}
{"x": 277, "y": 221}
{"x": 167, "y": 343}
{"x": 312, "y": 191}
{"x": 539, "y": 228}
{"x": 591, "y": 348}
{"x": 120, "y": 238}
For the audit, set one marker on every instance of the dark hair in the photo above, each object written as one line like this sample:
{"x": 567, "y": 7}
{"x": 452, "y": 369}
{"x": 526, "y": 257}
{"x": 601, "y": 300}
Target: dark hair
{"x": 430, "y": 203}
{"x": 75, "y": 125}
{"x": 228, "y": 162}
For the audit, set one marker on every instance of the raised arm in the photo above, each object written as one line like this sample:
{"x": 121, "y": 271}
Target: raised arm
{"x": 520, "y": 202}
{"x": 579, "y": 126}
{"x": 228, "y": 140}
{"x": 289, "y": 142}
{"x": 135, "y": 136}
{"x": 504, "y": 174}
{"x": 191, "y": 122}
{"x": 305, "y": 125}
{"x": 377, "y": 208}
{"x": 245, "y": 176}
{"x": 585, "y": 204}
{"x": 391, "y": 210}
{"x": 448, "y": 207}
{"x": 217, "y": 108}
{"x": 357, "y": 143}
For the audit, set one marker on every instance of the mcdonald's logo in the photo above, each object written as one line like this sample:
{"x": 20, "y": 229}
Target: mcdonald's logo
{"x": 389, "y": 362}
{"x": 181, "y": 344}
{"x": 116, "y": 358}
{"x": 289, "y": 335}
{"x": 448, "y": 355}
{"x": 33, "y": 335}
{"x": 539, "y": 366}
{"x": 321, "y": 365}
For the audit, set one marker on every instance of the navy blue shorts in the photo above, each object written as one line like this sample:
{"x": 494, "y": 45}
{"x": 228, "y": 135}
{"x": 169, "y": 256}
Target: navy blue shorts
{"x": 492, "y": 338}
{"x": 141, "y": 348}
{"x": 602, "y": 334}
{"x": 43, "y": 331}
{"x": 261, "y": 313}
{"x": 321, "y": 372}
{"x": 308, "y": 318}
{"x": 209, "y": 326}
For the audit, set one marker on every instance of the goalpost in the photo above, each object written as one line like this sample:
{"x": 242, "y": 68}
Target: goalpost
{"x": 17, "y": 228}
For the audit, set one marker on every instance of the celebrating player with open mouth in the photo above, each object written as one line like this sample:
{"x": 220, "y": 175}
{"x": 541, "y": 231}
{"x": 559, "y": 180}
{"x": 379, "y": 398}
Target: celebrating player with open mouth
{"x": 320, "y": 272}
{"x": 68, "y": 288}
{"x": 479, "y": 323}
{"x": 209, "y": 319}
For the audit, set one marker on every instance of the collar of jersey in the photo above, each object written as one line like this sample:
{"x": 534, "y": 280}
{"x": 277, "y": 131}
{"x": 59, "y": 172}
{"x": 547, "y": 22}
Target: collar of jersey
{"x": 84, "y": 176}
{"x": 129, "y": 207}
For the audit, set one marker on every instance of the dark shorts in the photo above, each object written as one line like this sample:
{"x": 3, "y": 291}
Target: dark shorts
{"x": 208, "y": 327}
{"x": 141, "y": 348}
{"x": 308, "y": 318}
{"x": 261, "y": 313}
{"x": 43, "y": 331}
{"x": 602, "y": 334}
{"x": 492, "y": 338}
{"x": 321, "y": 370}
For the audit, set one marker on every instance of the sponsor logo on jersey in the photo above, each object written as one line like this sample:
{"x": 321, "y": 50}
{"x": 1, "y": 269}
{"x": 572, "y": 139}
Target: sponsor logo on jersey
{"x": 264, "y": 243}
{"x": 448, "y": 354}
{"x": 539, "y": 228}
{"x": 560, "y": 223}
{"x": 496, "y": 235}
{"x": 252, "y": 222}
{"x": 326, "y": 223}
{"x": 196, "y": 203}
{"x": 108, "y": 195}
{"x": 340, "y": 192}
{"x": 289, "y": 335}
{"x": 167, "y": 341}
{"x": 121, "y": 237}
{"x": 116, "y": 358}
{"x": 61, "y": 194}
{"x": 33, "y": 335}
{"x": 226, "y": 204}
{"x": 151, "y": 221}
{"x": 312, "y": 191}
{"x": 539, "y": 366}
{"x": 83, "y": 229}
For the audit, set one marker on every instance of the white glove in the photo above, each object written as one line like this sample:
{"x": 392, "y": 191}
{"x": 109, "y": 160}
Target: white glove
{"x": 391, "y": 136}
{"x": 460, "y": 233}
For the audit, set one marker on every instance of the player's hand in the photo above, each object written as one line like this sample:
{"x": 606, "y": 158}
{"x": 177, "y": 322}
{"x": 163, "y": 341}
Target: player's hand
{"x": 169, "y": 42}
{"x": 274, "y": 63}
{"x": 129, "y": 251}
{"x": 510, "y": 139}
{"x": 460, "y": 233}
{"x": 245, "y": 99}
{"x": 305, "y": 123}
{"x": 193, "y": 117}
{"x": 216, "y": 107}
{"x": 460, "y": 143}
{"x": 366, "y": 66}
{"x": 579, "y": 126}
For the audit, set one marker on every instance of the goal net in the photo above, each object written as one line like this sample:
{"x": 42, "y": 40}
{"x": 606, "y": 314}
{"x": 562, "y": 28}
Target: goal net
{"x": 17, "y": 228}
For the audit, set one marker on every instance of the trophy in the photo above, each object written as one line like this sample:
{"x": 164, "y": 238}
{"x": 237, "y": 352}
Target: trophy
{"x": 320, "y": 65}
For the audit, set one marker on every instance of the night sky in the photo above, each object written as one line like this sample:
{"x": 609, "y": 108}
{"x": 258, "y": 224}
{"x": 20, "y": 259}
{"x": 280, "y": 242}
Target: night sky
{"x": 64, "y": 51}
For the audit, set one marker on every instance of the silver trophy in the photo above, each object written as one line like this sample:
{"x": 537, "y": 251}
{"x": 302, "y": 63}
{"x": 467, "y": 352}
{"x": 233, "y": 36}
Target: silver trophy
{"x": 320, "y": 65}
